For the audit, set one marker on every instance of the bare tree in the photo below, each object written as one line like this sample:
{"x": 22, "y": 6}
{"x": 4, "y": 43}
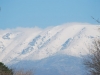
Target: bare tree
{"x": 92, "y": 61}
{"x": 97, "y": 20}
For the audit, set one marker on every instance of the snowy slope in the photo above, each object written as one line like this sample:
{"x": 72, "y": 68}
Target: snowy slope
{"x": 54, "y": 50}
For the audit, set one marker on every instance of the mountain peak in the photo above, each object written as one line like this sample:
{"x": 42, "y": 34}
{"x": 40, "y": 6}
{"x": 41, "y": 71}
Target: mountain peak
{"x": 34, "y": 44}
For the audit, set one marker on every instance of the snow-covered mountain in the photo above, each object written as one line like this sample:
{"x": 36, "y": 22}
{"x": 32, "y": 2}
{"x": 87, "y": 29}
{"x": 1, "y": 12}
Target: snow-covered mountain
{"x": 51, "y": 51}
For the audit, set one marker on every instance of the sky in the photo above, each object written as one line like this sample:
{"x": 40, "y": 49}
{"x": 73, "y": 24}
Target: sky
{"x": 44, "y": 13}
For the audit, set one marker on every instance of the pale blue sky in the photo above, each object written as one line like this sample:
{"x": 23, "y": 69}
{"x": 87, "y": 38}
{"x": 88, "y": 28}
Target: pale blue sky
{"x": 44, "y": 13}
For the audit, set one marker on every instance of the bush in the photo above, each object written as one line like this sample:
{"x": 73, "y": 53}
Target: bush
{"x": 23, "y": 72}
{"x": 4, "y": 70}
